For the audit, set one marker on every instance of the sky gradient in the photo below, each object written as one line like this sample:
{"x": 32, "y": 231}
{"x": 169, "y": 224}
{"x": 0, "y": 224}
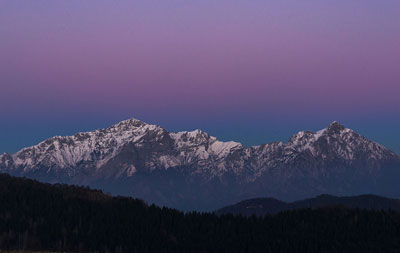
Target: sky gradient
{"x": 250, "y": 71}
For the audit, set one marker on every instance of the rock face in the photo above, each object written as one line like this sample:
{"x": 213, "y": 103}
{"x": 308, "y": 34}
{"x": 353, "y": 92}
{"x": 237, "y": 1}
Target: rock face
{"x": 193, "y": 170}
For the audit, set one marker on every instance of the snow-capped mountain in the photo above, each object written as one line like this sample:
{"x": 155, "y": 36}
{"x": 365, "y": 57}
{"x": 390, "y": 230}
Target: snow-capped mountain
{"x": 129, "y": 146}
{"x": 195, "y": 170}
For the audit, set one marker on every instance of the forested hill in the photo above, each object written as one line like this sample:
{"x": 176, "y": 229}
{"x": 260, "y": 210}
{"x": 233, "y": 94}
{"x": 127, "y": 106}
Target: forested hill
{"x": 262, "y": 206}
{"x": 37, "y": 216}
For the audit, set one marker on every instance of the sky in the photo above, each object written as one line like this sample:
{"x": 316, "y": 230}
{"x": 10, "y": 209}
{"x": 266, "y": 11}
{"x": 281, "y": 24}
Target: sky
{"x": 249, "y": 71}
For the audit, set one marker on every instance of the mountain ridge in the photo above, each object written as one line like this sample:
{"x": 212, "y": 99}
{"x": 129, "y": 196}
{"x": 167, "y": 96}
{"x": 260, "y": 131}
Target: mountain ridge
{"x": 133, "y": 155}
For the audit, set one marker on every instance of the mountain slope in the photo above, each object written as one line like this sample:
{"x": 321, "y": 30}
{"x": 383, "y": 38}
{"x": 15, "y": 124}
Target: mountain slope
{"x": 263, "y": 206}
{"x": 193, "y": 170}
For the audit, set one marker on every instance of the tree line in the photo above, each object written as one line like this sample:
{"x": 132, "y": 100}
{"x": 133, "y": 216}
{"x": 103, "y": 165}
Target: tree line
{"x": 39, "y": 216}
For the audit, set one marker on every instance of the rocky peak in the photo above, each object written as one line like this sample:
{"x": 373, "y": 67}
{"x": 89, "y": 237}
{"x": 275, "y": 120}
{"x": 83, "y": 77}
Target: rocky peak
{"x": 128, "y": 124}
{"x": 336, "y": 142}
{"x": 132, "y": 125}
{"x": 301, "y": 137}
{"x": 335, "y": 128}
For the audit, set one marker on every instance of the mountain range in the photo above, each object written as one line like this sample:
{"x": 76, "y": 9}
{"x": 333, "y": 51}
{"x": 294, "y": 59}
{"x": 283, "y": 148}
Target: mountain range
{"x": 192, "y": 170}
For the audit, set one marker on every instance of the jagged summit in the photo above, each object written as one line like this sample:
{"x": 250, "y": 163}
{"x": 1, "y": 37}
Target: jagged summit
{"x": 334, "y": 123}
{"x": 335, "y": 127}
{"x": 133, "y": 150}
{"x": 129, "y": 120}
{"x": 131, "y": 125}
{"x": 132, "y": 122}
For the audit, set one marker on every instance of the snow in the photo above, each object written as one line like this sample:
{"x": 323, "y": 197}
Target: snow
{"x": 91, "y": 151}
{"x": 131, "y": 170}
{"x": 222, "y": 149}
{"x": 319, "y": 133}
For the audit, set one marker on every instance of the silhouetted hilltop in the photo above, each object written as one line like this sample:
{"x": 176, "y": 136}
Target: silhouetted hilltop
{"x": 262, "y": 206}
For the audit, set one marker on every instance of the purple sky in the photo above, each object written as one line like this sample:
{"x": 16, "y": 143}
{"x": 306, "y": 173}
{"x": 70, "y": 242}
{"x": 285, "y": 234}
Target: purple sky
{"x": 251, "y": 71}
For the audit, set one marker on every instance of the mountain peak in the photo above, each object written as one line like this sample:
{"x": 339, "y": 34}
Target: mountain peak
{"x": 335, "y": 123}
{"x": 134, "y": 125}
{"x": 130, "y": 122}
{"x": 335, "y": 127}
